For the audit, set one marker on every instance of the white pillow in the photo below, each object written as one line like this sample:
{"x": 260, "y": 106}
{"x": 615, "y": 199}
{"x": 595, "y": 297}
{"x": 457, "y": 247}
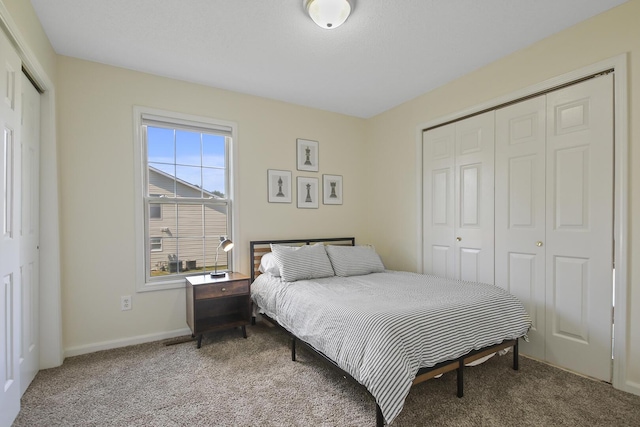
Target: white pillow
{"x": 268, "y": 265}
{"x": 304, "y": 262}
{"x": 354, "y": 260}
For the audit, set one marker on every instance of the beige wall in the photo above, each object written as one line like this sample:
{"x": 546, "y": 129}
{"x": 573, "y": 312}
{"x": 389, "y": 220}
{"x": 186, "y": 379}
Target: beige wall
{"x": 95, "y": 119}
{"x": 392, "y": 137}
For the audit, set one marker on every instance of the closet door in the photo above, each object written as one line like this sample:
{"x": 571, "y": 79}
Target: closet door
{"x": 438, "y": 196}
{"x": 10, "y": 279}
{"x": 458, "y": 200}
{"x": 474, "y": 201}
{"x": 30, "y": 235}
{"x": 580, "y": 227}
{"x": 520, "y": 211}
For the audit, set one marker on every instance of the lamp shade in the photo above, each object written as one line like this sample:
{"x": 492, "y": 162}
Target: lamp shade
{"x": 328, "y": 14}
{"x": 226, "y": 245}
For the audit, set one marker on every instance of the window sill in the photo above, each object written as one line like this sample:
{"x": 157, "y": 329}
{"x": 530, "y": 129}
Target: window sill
{"x": 177, "y": 283}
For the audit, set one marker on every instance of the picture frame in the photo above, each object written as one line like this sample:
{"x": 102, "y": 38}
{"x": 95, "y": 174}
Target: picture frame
{"x": 332, "y": 189}
{"x": 279, "y": 186}
{"x": 307, "y": 155}
{"x": 307, "y": 192}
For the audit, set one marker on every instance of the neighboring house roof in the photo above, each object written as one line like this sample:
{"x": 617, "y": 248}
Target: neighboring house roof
{"x": 184, "y": 183}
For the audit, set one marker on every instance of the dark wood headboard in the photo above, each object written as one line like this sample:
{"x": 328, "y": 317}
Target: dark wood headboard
{"x": 257, "y": 248}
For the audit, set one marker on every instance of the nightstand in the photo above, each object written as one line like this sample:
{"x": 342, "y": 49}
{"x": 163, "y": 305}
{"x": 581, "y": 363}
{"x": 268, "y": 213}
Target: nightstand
{"x": 214, "y": 304}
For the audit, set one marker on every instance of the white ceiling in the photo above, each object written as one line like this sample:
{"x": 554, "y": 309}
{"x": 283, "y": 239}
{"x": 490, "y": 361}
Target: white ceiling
{"x": 387, "y": 52}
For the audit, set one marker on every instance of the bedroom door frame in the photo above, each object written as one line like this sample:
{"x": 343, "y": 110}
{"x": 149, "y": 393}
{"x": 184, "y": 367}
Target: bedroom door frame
{"x": 621, "y": 186}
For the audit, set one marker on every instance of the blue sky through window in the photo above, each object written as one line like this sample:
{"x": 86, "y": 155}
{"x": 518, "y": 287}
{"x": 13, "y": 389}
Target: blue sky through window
{"x": 194, "y": 157}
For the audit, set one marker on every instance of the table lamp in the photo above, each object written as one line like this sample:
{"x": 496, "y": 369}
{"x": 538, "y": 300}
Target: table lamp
{"x": 226, "y": 246}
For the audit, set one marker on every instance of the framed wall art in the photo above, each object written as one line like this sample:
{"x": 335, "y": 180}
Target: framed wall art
{"x": 332, "y": 189}
{"x": 307, "y": 155}
{"x": 279, "y": 186}
{"x": 307, "y": 192}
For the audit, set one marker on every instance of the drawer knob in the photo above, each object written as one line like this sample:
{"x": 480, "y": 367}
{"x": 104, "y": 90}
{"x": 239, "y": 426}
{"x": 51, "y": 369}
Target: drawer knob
{"x": 458, "y": 239}
{"x": 224, "y": 289}
{"x": 538, "y": 244}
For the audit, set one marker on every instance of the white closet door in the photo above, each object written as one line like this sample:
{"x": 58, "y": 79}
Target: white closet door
{"x": 579, "y": 227}
{"x": 474, "y": 201}
{"x": 520, "y": 211}
{"x": 10, "y": 71}
{"x": 30, "y": 235}
{"x": 438, "y": 204}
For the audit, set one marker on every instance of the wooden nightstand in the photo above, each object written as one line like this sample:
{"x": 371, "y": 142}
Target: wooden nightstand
{"x": 214, "y": 304}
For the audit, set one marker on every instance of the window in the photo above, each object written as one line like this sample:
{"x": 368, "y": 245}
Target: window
{"x": 155, "y": 212}
{"x": 155, "y": 244}
{"x": 185, "y": 188}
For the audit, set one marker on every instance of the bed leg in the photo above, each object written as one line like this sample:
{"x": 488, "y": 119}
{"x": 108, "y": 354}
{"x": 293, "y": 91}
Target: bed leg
{"x": 379, "y": 417}
{"x": 516, "y": 356}
{"x": 460, "y": 377}
{"x": 293, "y": 349}
{"x": 253, "y": 320}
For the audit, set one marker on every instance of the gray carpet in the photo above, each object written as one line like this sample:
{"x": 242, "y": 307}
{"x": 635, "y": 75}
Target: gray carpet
{"x": 231, "y": 381}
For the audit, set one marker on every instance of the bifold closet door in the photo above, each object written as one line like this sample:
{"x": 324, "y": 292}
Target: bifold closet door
{"x": 10, "y": 278}
{"x": 474, "y": 201}
{"x": 554, "y": 221}
{"x": 458, "y": 204}
{"x": 579, "y": 247}
{"x": 520, "y": 211}
{"x": 30, "y": 235}
{"x": 438, "y": 206}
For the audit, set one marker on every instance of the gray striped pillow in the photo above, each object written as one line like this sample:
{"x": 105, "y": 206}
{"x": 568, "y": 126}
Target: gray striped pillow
{"x": 304, "y": 262}
{"x": 354, "y": 260}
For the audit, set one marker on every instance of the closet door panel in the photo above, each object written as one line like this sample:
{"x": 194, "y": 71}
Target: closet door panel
{"x": 474, "y": 202}
{"x": 580, "y": 227}
{"x": 441, "y": 257}
{"x": 521, "y": 180}
{"x": 30, "y": 234}
{"x": 520, "y": 211}
{"x": 438, "y": 193}
{"x": 570, "y": 298}
{"x": 469, "y": 266}
{"x": 469, "y": 197}
{"x": 10, "y": 217}
{"x": 571, "y": 201}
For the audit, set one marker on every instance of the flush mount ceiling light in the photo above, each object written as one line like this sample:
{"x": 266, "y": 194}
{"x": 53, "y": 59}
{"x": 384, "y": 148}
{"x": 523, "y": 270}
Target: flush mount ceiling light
{"x": 328, "y": 14}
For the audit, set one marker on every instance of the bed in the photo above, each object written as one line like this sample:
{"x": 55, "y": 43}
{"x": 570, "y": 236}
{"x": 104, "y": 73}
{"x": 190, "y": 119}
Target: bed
{"x": 387, "y": 330}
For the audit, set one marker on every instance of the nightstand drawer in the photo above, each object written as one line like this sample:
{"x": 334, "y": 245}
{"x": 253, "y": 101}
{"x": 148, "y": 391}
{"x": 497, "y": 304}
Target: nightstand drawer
{"x": 217, "y": 290}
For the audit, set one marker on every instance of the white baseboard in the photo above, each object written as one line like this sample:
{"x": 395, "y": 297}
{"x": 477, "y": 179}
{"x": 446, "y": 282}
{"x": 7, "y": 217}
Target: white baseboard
{"x": 631, "y": 387}
{"x": 140, "y": 339}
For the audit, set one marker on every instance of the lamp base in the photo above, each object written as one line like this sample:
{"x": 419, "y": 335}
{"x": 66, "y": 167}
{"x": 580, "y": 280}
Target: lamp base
{"x": 218, "y": 275}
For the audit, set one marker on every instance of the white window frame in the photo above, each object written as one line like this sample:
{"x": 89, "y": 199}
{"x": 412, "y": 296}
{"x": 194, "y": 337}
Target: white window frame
{"x": 143, "y": 280}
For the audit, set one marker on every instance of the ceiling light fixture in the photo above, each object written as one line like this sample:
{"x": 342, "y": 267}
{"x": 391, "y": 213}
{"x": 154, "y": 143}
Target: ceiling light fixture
{"x": 328, "y": 14}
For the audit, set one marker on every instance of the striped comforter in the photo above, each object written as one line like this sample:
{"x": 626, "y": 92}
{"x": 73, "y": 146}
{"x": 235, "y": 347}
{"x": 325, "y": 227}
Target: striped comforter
{"x": 382, "y": 327}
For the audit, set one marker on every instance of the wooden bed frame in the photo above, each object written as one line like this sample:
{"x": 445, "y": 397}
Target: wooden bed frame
{"x": 257, "y": 248}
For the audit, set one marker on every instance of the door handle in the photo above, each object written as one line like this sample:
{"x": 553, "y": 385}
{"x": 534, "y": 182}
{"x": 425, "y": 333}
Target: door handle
{"x": 538, "y": 243}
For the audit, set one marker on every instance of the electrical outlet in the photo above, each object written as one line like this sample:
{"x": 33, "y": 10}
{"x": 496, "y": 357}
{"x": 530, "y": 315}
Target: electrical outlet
{"x": 125, "y": 302}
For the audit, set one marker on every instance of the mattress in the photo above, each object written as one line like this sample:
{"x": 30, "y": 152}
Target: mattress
{"x": 382, "y": 327}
